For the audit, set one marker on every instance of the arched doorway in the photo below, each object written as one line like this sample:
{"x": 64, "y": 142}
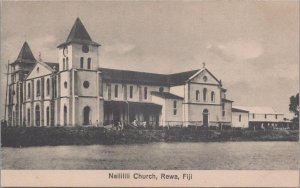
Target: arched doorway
{"x": 205, "y": 118}
{"x": 65, "y": 115}
{"x": 86, "y": 115}
{"x": 37, "y": 115}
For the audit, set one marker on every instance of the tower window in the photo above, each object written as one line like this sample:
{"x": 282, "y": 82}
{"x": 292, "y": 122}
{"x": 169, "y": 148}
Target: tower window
{"x": 64, "y": 63}
{"x": 29, "y": 90}
{"x": 212, "y": 96}
{"x": 265, "y": 116}
{"x": 276, "y": 116}
{"x": 67, "y": 63}
{"x": 116, "y": 91}
{"x": 197, "y": 95}
{"x": 81, "y": 62}
{"x": 145, "y": 92}
{"x": 38, "y": 88}
{"x": 89, "y": 63}
{"x": 47, "y": 86}
{"x": 204, "y": 94}
{"x": 240, "y": 118}
{"x": 253, "y": 116}
{"x": 131, "y": 92}
{"x": 65, "y": 84}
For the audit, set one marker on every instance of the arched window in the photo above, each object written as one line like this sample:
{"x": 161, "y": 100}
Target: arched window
{"x": 47, "y": 116}
{"x": 145, "y": 92}
{"x": 67, "y": 63}
{"x": 37, "y": 115}
{"x": 197, "y": 95}
{"x": 29, "y": 90}
{"x": 131, "y": 92}
{"x": 116, "y": 91}
{"x": 47, "y": 86}
{"x": 204, "y": 94}
{"x": 212, "y": 96}
{"x": 81, "y": 62}
{"x": 65, "y": 115}
{"x": 28, "y": 117}
{"x": 89, "y": 63}
{"x": 64, "y": 64}
{"x": 38, "y": 88}
{"x": 240, "y": 118}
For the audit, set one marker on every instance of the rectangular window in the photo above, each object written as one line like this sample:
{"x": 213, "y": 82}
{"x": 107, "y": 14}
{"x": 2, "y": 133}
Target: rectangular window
{"x": 174, "y": 108}
{"x": 116, "y": 91}
{"x": 223, "y": 113}
{"x": 253, "y": 116}
{"x": 109, "y": 91}
{"x": 265, "y": 116}
{"x": 131, "y": 92}
{"x": 145, "y": 92}
{"x": 174, "y": 112}
{"x": 125, "y": 91}
{"x": 276, "y": 116}
{"x": 174, "y": 104}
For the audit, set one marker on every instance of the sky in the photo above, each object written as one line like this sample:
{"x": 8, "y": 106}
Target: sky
{"x": 252, "y": 46}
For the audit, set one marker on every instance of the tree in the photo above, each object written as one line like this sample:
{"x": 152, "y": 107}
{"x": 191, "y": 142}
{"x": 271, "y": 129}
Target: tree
{"x": 294, "y": 106}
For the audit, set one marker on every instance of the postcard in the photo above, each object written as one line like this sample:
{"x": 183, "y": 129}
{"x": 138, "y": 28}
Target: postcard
{"x": 150, "y": 93}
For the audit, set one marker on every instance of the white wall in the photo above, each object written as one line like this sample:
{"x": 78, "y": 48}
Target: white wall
{"x": 261, "y": 117}
{"x": 244, "y": 123}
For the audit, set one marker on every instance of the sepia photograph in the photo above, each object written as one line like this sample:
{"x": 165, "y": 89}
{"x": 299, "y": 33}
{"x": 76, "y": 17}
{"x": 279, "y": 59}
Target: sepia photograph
{"x": 150, "y": 91}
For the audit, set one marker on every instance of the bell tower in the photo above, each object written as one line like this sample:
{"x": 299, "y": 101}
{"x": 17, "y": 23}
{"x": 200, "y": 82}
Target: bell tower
{"x": 79, "y": 51}
{"x": 79, "y": 79}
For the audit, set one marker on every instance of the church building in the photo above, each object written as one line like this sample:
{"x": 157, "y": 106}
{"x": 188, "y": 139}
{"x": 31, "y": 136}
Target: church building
{"x": 77, "y": 91}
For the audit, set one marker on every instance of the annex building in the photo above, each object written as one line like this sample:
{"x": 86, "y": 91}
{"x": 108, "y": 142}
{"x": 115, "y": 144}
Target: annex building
{"x": 77, "y": 91}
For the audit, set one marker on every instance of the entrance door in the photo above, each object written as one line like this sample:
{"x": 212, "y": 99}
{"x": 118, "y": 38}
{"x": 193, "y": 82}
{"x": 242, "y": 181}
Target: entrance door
{"x": 116, "y": 117}
{"x": 205, "y": 118}
{"x": 86, "y": 115}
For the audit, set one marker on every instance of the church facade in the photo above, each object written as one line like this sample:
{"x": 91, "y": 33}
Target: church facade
{"x": 77, "y": 91}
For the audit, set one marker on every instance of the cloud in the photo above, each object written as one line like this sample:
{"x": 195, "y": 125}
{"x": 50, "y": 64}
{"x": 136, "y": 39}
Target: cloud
{"x": 239, "y": 49}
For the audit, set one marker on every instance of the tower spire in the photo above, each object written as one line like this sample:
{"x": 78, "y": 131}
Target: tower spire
{"x": 79, "y": 34}
{"x": 25, "y": 53}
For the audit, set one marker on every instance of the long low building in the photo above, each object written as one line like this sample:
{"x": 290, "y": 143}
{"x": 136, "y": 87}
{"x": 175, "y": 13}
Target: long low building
{"x": 258, "y": 117}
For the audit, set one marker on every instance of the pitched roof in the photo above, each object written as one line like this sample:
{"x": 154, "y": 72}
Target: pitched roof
{"x": 53, "y": 65}
{"x": 239, "y": 110}
{"x": 25, "y": 54}
{"x": 165, "y": 95}
{"x": 126, "y": 76}
{"x": 79, "y": 34}
{"x": 227, "y": 100}
{"x": 182, "y": 77}
{"x": 258, "y": 109}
